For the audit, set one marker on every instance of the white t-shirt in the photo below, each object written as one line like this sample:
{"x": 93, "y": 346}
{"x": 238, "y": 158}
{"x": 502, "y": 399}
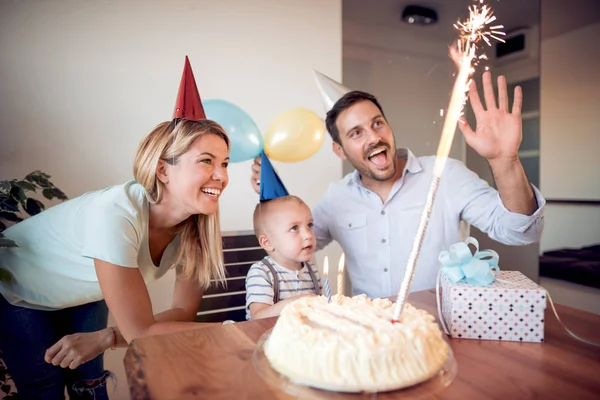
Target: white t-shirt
{"x": 53, "y": 267}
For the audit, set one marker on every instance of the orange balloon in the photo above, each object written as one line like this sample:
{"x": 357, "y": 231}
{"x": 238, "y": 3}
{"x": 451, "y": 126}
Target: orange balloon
{"x": 294, "y": 135}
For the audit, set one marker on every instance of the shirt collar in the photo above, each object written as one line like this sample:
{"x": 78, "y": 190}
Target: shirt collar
{"x": 412, "y": 166}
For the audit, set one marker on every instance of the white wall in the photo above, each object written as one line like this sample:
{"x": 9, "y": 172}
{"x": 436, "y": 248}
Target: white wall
{"x": 83, "y": 82}
{"x": 571, "y": 118}
{"x": 570, "y": 225}
{"x": 569, "y": 121}
{"x": 570, "y": 139}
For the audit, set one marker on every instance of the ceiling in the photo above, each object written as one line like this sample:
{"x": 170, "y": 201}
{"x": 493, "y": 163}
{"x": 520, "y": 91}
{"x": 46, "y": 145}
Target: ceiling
{"x": 559, "y": 16}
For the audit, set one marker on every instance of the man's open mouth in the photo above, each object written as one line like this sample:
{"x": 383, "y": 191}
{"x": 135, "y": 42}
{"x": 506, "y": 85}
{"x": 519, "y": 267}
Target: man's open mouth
{"x": 379, "y": 156}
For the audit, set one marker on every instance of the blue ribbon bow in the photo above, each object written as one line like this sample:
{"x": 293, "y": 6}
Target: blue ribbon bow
{"x": 459, "y": 263}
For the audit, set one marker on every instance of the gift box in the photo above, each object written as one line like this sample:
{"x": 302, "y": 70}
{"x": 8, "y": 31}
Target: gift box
{"x": 507, "y": 306}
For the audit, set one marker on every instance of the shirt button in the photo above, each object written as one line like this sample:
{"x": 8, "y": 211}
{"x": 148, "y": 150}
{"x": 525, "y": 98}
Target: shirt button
{"x": 383, "y": 240}
{"x": 382, "y": 212}
{"x": 385, "y": 270}
{"x": 349, "y": 225}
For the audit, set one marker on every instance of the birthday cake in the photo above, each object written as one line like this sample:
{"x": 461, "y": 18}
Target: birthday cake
{"x": 351, "y": 345}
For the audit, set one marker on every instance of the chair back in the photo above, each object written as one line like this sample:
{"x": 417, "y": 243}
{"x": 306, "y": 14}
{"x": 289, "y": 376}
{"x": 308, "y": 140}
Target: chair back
{"x": 240, "y": 251}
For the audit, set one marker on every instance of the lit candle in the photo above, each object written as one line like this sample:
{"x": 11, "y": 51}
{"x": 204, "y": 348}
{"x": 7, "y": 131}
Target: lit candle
{"x": 340, "y": 277}
{"x": 326, "y": 280}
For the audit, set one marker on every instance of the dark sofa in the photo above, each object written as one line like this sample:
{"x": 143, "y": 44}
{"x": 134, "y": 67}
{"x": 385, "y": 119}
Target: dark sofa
{"x": 580, "y": 266}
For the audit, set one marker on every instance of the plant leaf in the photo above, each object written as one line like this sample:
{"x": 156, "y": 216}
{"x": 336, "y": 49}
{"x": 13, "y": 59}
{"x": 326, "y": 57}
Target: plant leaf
{"x": 39, "y": 178}
{"x": 5, "y": 187}
{"x": 8, "y": 216}
{"x": 5, "y": 276}
{"x": 59, "y": 194}
{"x": 9, "y": 204}
{"x": 48, "y": 193}
{"x": 18, "y": 194}
{"x": 34, "y": 206}
{"x": 40, "y": 173}
{"x": 54, "y": 193}
{"x": 26, "y": 186}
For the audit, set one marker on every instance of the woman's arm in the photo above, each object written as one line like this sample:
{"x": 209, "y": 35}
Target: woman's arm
{"x": 187, "y": 296}
{"x": 73, "y": 350}
{"x": 128, "y": 300}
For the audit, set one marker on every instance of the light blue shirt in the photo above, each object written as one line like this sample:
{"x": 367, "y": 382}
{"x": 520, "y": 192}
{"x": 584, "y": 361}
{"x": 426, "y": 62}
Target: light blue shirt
{"x": 53, "y": 267}
{"x": 377, "y": 237}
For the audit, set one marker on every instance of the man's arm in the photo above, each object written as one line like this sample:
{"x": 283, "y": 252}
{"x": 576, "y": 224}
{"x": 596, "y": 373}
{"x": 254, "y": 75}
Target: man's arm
{"x": 514, "y": 187}
{"x": 255, "y": 177}
{"x": 497, "y": 138}
{"x": 482, "y": 206}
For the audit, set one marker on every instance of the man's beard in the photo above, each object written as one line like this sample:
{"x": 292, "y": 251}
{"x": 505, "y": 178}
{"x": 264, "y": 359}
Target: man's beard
{"x": 380, "y": 176}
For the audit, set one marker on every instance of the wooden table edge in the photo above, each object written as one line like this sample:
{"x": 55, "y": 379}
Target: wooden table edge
{"x": 136, "y": 377}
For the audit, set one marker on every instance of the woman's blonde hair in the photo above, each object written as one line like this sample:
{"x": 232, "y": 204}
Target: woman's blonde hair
{"x": 200, "y": 253}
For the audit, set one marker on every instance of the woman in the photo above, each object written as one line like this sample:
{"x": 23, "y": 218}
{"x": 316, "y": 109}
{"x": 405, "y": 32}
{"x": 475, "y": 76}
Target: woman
{"x": 101, "y": 249}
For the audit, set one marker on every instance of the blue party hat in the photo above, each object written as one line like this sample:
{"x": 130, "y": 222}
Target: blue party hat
{"x": 271, "y": 186}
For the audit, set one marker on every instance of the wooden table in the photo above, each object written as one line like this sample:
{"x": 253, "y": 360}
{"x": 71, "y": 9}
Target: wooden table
{"x": 216, "y": 363}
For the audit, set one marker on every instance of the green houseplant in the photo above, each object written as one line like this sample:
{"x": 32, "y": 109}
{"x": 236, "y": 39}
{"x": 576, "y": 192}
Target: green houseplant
{"x": 17, "y": 203}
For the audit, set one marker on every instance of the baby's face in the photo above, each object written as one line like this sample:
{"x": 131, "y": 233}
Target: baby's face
{"x": 290, "y": 230}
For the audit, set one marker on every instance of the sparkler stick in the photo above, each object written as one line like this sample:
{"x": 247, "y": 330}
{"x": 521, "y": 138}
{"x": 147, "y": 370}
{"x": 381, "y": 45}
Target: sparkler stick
{"x": 472, "y": 31}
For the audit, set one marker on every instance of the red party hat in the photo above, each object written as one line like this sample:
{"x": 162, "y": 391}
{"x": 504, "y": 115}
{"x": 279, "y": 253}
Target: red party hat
{"x": 189, "y": 105}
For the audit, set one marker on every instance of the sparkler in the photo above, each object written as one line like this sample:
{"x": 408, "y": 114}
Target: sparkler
{"x": 471, "y": 32}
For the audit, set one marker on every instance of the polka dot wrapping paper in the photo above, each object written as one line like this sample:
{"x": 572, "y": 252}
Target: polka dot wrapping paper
{"x": 511, "y": 308}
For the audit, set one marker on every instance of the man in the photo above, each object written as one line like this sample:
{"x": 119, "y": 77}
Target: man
{"x": 374, "y": 211}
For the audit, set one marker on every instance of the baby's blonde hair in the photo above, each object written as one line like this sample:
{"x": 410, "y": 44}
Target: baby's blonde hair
{"x": 200, "y": 253}
{"x": 263, "y": 210}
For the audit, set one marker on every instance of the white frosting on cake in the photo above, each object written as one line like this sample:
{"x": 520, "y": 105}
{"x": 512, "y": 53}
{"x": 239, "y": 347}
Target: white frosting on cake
{"x": 351, "y": 345}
